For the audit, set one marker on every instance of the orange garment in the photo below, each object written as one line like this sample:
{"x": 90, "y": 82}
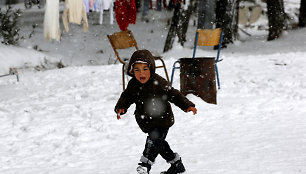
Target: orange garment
{"x": 74, "y": 12}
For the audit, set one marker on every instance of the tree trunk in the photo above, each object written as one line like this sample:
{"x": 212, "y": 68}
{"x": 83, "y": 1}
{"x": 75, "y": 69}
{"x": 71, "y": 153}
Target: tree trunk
{"x": 183, "y": 23}
{"x": 235, "y": 10}
{"x": 227, "y": 19}
{"x": 173, "y": 27}
{"x": 206, "y": 14}
{"x": 179, "y": 25}
{"x": 302, "y": 16}
{"x": 276, "y": 18}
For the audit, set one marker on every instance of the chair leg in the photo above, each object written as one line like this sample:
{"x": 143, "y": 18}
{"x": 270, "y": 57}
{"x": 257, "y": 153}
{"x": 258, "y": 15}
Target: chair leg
{"x": 217, "y": 74}
{"x": 173, "y": 68}
{"x": 123, "y": 78}
{"x": 195, "y": 45}
{"x": 165, "y": 69}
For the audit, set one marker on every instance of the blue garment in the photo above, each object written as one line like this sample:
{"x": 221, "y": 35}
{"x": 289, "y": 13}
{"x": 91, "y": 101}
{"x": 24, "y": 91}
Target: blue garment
{"x": 96, "y": 6}
{"x": 159, "y": 5}
{"x": 146, "y": 6}
{"x": 86, "y": 3}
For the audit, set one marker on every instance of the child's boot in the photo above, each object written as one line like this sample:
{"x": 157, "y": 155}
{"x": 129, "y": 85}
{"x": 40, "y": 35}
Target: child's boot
{"x": 145, "y": 166}
{"x": 176, "y": 165}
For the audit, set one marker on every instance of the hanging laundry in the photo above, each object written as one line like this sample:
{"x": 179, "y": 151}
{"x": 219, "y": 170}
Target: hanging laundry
{"x": 74, "y": 12}
{"x": 125, "y": 13}
{"x": 92, "y": 4}
{"x": 107, "y": 4}
{"x": 51, "y": 20}
{"x": 86, "y": 3}
{"x": 96, "y": 5}
{"x": 102, "y": 5}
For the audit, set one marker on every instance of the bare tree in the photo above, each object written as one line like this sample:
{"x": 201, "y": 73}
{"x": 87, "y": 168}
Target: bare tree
{"x": 302, "y": 16}
{"x": 179, "y": 25}
{"x": 227, "y": 19}
{"x": 276, "y": 18}
{"x": 206, "y": 14}
{"x": 173, "y": 27}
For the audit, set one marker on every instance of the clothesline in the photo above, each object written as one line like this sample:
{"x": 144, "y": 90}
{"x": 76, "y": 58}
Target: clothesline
{"x": 75, "y": 11}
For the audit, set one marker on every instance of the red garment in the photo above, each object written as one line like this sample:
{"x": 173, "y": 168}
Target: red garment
{"x": 125, "y": 13}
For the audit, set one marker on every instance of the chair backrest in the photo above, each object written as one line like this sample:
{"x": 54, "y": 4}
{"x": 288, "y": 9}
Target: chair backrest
{"x": 208, "y": 37}
{"x": 122, "y": 40}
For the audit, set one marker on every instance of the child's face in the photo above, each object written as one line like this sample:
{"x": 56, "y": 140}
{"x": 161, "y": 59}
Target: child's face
{"x": 142, "y": 72}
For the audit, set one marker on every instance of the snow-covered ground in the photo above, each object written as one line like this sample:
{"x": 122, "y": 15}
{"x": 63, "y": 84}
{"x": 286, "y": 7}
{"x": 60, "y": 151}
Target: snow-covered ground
{"x": 61, "y": 121}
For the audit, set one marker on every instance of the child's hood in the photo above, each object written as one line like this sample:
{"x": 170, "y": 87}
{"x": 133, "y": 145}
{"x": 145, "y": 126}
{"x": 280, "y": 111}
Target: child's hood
{"x": 141, "y": 56}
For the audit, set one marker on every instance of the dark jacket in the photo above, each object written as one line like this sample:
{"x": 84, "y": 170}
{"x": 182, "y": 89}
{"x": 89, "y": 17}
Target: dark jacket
{"x": 153, "y": 109}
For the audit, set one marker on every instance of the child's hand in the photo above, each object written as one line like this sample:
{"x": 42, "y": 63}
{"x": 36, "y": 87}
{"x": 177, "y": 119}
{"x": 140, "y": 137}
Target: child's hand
{"x": 193, "y": 109}
{"x": 119, "y": 111}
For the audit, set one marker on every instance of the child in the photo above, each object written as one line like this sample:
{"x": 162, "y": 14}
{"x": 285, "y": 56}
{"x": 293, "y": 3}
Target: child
{"x": 151, "y": 93}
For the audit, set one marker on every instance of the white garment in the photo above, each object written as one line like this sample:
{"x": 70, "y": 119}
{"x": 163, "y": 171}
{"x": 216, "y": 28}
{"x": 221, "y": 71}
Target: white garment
{"x": 51, "y": 20}
{"x": 74, "y": 12}
{"x": 105, "y": 5}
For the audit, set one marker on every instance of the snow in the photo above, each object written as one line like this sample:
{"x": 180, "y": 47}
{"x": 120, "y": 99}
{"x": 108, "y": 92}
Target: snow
{"x": 61, "y": 121}
{"x": 16, "y": 57}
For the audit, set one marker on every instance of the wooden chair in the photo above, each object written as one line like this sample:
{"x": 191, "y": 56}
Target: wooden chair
{"x": 125, "y": 40}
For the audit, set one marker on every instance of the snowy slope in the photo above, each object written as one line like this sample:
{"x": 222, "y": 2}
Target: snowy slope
{"x": 62, "y": 121}
{"x": 16, "y": 57}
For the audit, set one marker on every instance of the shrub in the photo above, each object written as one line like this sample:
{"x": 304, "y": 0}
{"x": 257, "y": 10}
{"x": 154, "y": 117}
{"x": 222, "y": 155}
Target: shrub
{"x": 9, "y": 30}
